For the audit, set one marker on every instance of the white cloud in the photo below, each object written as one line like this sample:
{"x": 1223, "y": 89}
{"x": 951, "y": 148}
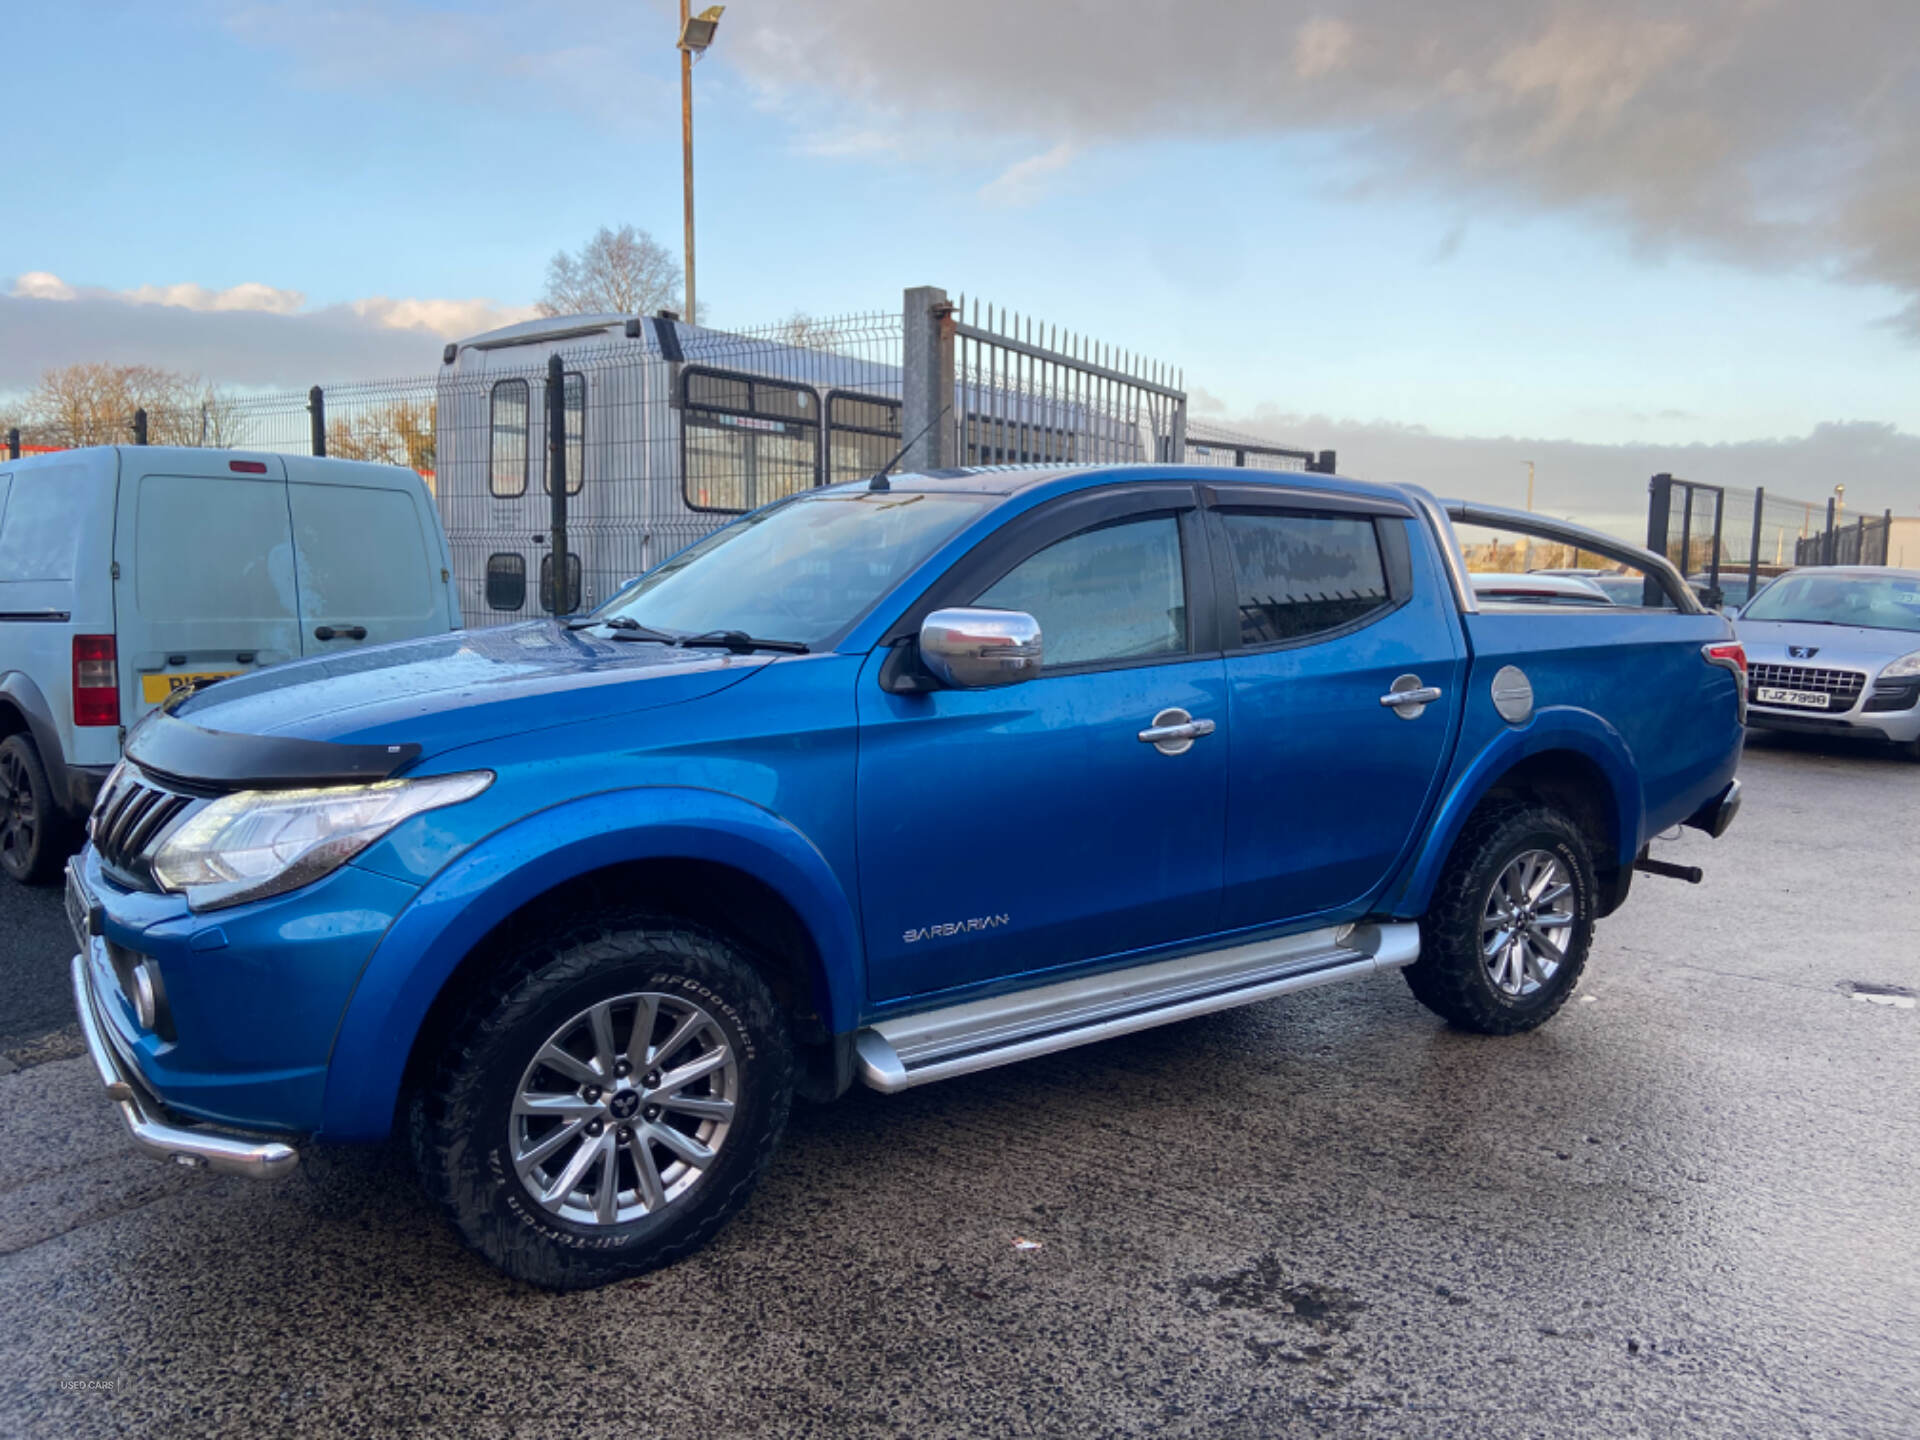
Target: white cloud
{"x": 250, "y": 295}
{"x": 1321, "y": 46}
{"x": 1031, "y": 179}
{"x": 39, "y": 285}
{"x": 451, "y": 319}
{"x": 247, "y": 334}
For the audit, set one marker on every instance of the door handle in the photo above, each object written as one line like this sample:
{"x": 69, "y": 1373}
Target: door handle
{"x": 1408, "y": 697}
{"x": 339, "y": 632}
{"x": 1173, "y": 731}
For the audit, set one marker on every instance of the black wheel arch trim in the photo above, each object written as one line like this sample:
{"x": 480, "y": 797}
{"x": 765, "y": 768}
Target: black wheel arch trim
{"x": 73, "y": 787}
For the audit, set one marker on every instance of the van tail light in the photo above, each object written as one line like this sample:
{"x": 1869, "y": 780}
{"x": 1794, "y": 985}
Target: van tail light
{"x": 96, "y": 681}
{"x": 1732, "y": 656}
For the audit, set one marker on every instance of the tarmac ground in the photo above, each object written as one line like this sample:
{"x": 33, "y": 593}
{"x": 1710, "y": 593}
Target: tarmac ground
{"x": 1687, "y": 1206}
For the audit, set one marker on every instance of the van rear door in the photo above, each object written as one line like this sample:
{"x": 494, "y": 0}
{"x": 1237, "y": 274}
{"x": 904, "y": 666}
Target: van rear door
{"x": 203, "y": 552}
{"x": 369, "y": 554}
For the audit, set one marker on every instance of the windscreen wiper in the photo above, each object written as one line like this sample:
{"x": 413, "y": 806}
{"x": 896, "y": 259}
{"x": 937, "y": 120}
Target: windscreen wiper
{"x": 741, "y": 643}
{"x": 624, "y": 628}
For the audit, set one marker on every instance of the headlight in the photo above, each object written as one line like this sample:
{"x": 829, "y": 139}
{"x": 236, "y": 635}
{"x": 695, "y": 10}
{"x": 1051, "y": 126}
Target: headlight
{"x": 1906, "y": 665}
{"x": 256, "y": 843}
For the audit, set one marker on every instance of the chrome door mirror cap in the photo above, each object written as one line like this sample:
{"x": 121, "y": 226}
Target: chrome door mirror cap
{"x": 978, "y": 649}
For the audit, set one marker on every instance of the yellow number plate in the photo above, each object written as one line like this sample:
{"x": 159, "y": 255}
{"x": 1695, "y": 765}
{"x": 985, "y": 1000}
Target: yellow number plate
{"x": 155, "y": 688}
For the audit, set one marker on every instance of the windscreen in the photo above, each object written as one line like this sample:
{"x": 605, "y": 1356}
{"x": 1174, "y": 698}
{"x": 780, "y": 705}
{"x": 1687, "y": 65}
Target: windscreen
{"x": 803, "y": 571}
{"x": 1877, "y": 602}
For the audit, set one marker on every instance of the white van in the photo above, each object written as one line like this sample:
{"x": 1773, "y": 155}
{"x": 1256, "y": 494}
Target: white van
{"x": 127, "y": 572}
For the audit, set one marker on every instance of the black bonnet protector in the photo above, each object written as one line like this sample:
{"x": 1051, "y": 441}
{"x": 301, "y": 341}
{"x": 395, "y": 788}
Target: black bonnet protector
{"x": 169, "y": 748}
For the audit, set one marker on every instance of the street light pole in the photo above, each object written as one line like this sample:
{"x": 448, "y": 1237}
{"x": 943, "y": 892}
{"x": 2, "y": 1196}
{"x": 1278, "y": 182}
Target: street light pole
{"x": 686, "y": 144}
{"x": 696, "y": 34}
{"x": 1528, "y": 561}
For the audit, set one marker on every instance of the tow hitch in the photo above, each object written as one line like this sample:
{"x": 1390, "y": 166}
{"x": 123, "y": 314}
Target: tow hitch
{"x": 1692, "y": 874}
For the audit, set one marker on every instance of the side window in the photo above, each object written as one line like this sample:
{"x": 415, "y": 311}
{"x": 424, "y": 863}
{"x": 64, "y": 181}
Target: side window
{"x": 1115, "y": 593}
{"x": 746, "y": 440}
{"x": 507, "y": 581}
{"x": 509, "y": 409}
{"x": 573, "y": 582}
{"x": 573, "y": 400}
{"x": 1295, "y": 576}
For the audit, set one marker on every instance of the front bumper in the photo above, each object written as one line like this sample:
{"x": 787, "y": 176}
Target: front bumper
{"x": 1897, "y": 727}
{"x": 192, "y": 1146}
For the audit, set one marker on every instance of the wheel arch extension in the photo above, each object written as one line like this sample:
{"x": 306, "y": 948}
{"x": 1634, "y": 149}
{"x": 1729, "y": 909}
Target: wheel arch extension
{"x": 702, "y": 857}
{"x": 1567, "y": 758}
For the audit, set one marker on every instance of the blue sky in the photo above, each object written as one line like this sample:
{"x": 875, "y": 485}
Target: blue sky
{"x": 1304, "y": 261}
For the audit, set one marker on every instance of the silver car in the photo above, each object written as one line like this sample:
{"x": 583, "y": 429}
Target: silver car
{"x": 1835, "y": 650}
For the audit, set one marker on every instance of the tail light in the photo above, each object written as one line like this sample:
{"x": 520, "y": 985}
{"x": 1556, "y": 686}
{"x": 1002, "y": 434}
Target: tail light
{"x": 1731, "y": 656}
{"x": 96, "y": 681}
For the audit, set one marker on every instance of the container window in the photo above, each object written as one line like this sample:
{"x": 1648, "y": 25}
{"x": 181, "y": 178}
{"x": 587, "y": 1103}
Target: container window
{"x": 511, "y": 406}
{"x": 745, "y": 440}
{"x": 506, "y": 581}
{"x": 573, "y": 582}
{"x": 863, "y": 433}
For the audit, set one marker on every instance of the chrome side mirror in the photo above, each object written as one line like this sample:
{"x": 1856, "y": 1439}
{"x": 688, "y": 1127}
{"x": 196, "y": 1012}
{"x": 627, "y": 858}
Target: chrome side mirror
{"x": 971, "y": 649}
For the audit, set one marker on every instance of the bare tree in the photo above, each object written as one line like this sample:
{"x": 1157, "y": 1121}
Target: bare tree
{"x": 399, "y": 433}
{"x": 621, "y": 272}
{"x": 94, "y": 404}
{"x": 805, "y": 330}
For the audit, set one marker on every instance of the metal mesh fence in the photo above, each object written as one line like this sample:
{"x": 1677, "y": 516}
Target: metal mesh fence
{"x": 1209, "y": 444}
{"x": 1861, "y": 541}
{"x": 1757, "y": 531}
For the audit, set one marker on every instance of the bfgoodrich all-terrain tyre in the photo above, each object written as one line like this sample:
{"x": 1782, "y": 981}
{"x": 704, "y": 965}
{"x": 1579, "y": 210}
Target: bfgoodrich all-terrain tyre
{"x": 608, "y": 1103}
{"x": 33, "y": 834}
{"x": 1507, "y": 934}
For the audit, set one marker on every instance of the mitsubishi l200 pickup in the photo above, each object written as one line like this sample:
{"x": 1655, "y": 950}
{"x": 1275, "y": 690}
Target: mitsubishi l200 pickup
{"x": 885, "y": 783}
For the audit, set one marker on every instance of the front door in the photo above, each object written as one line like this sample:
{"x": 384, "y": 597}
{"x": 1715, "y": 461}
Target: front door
{"x": 1331, "y": 607}
{"x": 1014, "y": 830}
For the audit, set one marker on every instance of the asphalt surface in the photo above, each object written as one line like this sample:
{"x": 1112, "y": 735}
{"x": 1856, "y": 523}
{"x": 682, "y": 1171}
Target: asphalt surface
{"x": 1685, "y": 1207}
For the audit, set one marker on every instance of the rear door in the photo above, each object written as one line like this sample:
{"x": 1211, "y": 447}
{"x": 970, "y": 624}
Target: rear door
{"x": 204, "y": 585}
{"x": 368, "y": 557}
{"x": 1331, "y": 604}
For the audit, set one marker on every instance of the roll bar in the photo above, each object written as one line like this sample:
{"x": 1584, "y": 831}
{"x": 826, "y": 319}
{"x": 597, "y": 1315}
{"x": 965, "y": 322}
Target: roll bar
{"x": 1545, "y": 527}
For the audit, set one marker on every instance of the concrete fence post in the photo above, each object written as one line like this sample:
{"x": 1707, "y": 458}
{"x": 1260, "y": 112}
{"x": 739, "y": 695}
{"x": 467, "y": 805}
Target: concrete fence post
{"x": 927, "y": 384}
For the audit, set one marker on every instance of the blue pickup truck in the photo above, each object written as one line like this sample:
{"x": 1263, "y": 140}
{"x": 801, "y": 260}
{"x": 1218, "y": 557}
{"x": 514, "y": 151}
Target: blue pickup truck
{"x": 885, "y": 783}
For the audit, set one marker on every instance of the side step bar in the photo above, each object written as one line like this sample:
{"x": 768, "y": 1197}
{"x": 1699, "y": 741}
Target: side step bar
{"x": 899, "y": 1053}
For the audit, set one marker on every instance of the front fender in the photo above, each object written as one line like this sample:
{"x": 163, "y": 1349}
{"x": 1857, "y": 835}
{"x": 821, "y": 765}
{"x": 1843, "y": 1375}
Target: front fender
{"x": 487, "y": 883}
{"x": 1562, "y": 727}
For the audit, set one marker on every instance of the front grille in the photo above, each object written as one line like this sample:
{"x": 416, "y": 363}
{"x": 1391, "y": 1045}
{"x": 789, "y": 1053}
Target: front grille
{"x": 131, "y": 814}
{"x": 1844, "y": 685}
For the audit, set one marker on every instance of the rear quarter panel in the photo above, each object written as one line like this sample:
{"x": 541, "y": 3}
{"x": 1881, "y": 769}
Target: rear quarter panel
{"x": 1626, "y": 689}
{"x": 56, "y": 555}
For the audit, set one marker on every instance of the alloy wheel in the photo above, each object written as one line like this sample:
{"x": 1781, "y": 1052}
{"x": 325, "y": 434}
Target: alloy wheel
{"x": 1524, "y": 923}
{"x": 623, "y": 1109}
{"x": 19, "y": 818}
